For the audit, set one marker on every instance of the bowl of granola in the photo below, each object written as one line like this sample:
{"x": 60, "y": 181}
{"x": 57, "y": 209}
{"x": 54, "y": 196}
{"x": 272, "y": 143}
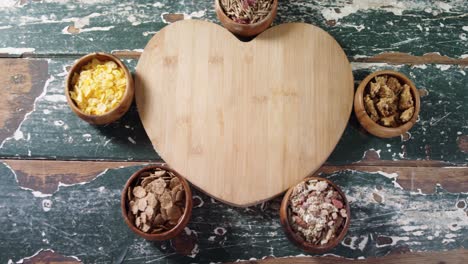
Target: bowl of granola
{"x": 315, "y": 215}
{"x": 156, "y": 203}
{"x": 246, "y": 18}
{"x": 387, "y": 104}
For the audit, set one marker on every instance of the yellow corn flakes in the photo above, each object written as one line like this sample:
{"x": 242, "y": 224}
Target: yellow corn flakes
{"x": 99, "y": 87}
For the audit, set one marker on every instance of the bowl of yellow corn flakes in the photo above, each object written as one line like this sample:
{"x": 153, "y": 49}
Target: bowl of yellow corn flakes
{"x": 99, "y": 88}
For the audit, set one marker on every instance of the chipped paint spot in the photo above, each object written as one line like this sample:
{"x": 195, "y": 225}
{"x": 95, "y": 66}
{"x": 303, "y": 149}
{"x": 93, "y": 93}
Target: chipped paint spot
{"x": 443, "y": 67}
{"x": 390, "y": 241}
{"x": 131, "y": 140}
{"x": 220, "y": 231}
{"x": 16, "y": 51}
{"x": 74, "y": 30}
{"x": 56, "y": 98}
{"x": 46, "y": 205}
{"x": 197, "y": 201}
{"x": 58, "y": 123}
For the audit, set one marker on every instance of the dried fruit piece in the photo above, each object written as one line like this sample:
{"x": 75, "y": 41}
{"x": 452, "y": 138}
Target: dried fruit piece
{"x": 337, "y": 203}
{"x": 370, "y": 108}
{"x": 386, "y": 92}
{"x": 382, "y": 80}
{"x": 407, "y": 114}
{"x": 386, "y": 107}
{"x": 394, "y": 84}
{"x": 374, "y": 89}
{"x": 388, "y": 121}
{"x": 406, "y": 99}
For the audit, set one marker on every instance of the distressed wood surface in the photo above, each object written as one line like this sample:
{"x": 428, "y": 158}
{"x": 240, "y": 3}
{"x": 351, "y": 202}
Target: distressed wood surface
{"x": 47, "y": 122}
{"x": 60, "y": 178}
{"x": 454, "y": 256}
{"x": 83, "y": 221}
{"x": 363, "y": 28}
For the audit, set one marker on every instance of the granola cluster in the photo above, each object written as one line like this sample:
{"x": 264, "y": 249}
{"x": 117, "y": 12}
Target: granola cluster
{"x": 157, "y": 201}
{"x": 316, "y": 212}
{"x": 388, "y": 102}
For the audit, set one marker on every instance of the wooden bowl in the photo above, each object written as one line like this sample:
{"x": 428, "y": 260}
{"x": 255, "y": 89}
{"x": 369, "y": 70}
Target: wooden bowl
{"x": 246, "y": 30}
{"x": 115, "y": 113}
{"x": 184, "y": 219}
{"x": 297, "y": 239}
{"x": 369, "y": 124}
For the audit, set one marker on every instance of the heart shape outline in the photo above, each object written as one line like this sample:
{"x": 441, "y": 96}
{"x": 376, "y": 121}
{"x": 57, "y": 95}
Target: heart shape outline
{"x": 168, "y": 77}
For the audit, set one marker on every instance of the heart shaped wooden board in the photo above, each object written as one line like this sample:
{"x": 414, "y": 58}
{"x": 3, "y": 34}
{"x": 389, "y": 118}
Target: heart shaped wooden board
{"x": 243, "y": 121}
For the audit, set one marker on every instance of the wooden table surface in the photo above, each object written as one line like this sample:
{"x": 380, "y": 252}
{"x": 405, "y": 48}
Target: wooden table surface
{"x": 60, "y": 178}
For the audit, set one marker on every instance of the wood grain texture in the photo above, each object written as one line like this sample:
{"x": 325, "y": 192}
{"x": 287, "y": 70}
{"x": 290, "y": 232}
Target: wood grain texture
{"x": 439, "y": 135}
{"x": 21, "y": 82}
{"x": 84, "y": 220}
{"x": 50, "y": 257}
{"x": 459, "y": 256}
{"x": 364, "y": 28}
{"x": 46, "y": 175}
{"x": 243, "y": 121}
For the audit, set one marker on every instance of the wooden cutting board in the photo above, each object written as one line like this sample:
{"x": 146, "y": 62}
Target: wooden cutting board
{"x": 243, "y": 121}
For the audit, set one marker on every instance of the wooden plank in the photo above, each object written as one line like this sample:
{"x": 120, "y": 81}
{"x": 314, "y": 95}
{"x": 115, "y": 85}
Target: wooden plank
{"x": 364, "y": 29}
{"x": 21, "y": 82}
{"x": 441, "y": 133}
{"x": 459, "y": 256}
{"x": 83, "y": 221}
{"x": 46, "y": 175}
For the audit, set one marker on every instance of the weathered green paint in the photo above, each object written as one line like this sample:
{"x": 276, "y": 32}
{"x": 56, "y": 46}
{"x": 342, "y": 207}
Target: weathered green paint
{"x": 85, "y": 221}
{"x": 363, "y": 29}
{"x": 53, "y": 131}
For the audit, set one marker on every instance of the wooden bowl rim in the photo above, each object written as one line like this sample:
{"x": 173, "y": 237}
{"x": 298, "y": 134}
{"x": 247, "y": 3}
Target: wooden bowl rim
{"x": 360, "y": 111}
{"x": 304, "y": 245}
{"x": 183, "y": 221}
{"x": 85, "y": 59}
{"x": 265, "y": 19}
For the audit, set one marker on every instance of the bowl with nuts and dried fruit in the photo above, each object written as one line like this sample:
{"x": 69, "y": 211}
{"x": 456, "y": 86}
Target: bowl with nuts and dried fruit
{"x": 315, "y": 215}
{"x": 387, "y": 104}
{"x": 156, "y": 203}
{"x": 99, "y": 88}
{"x": 246, "y": 18}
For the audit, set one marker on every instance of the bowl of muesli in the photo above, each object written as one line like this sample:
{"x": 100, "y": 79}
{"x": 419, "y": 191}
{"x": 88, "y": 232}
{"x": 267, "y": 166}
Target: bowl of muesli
{"x": 387, "y": 104}
{"x": 315, "y": 215}
{"x": 156, "y": 202}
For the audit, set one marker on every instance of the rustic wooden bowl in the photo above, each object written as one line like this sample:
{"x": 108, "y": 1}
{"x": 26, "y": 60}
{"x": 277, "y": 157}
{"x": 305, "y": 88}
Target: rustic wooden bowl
{"x": 369, "y": 124}
{"x": 298, "y": 240}
{"x": 246, "y": 30}
{"x": 112, "y": 115}
{"x": 184, "y": 219}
